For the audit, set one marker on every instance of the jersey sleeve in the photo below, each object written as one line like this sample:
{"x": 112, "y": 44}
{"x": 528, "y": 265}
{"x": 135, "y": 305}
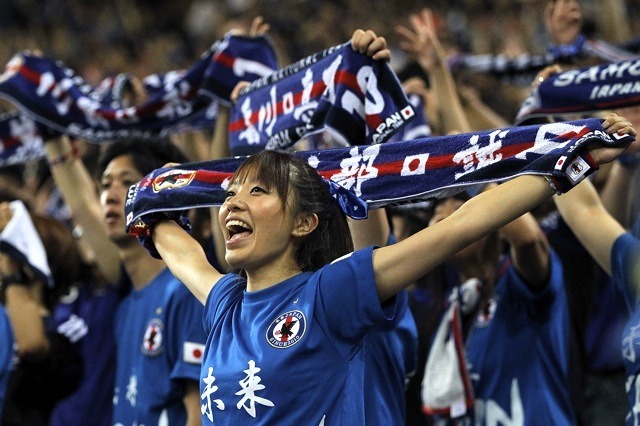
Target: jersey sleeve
{"x": 625, "y": 268}
{"x": 186, "y": 335}
{"x": 347, "y": 303}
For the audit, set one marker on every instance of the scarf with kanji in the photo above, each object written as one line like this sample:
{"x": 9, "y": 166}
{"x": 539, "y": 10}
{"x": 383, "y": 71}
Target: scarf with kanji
{"x": 55, "y": 96}
{"x": 596, "y": 88}
{"x": 339, "y": 90}
{"x": 391, "y": 173}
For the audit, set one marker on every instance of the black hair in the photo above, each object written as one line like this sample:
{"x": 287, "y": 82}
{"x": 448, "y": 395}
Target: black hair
{"x": 146, "y": 154}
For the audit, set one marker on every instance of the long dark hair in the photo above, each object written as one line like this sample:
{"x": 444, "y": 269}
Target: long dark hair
{"x": 302, "y": 191}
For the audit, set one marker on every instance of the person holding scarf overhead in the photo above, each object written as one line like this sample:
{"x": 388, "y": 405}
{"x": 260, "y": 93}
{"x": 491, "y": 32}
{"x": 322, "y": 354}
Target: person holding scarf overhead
{"x": 285, "y": 334}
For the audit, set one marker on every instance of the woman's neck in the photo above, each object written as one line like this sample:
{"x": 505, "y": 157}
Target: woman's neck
{"x": 266, "y": 277}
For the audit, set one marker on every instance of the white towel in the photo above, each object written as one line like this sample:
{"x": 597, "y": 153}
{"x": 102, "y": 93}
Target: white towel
{"x": 446, "y": 386}
{"x": 21, "y": 241}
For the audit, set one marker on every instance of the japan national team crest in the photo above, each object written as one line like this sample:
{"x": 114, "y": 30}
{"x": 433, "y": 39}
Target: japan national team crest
{"x": 287, "y": 330}
{"x": 173, "y": 179}
{"x": 152, "y": 340}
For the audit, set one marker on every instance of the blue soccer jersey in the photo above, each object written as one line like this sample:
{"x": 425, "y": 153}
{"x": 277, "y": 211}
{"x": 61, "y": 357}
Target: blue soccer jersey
{"x": 391, "y": 357}
{"x": 159, "y": 339}
{"x": 518, "y": 354}
{"x": 291, "y": 353}
{"x": 625, "y": 275}
{"x": 6, "y": 354}
{"x": 85, "y": 316}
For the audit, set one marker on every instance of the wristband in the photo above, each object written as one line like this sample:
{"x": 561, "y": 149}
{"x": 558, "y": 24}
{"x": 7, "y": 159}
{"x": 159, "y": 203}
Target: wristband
{"x": 552, "y": 184}
{"x": 142, "y": 228}
{"x": 569, "y": 172}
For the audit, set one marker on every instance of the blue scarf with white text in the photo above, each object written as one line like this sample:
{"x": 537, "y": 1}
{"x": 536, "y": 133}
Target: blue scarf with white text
{"x": 338, "y": 89}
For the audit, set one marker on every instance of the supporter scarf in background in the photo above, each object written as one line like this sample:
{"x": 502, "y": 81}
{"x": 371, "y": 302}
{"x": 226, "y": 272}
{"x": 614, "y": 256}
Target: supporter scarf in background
{"x": 55, "y": 96}
{"x": 596, "y": 88}
{"x": 21, "y": 139}
{"x": 339, "y": 89}
{"x": 522, "y": 68}
{"x": 389, "y": 173}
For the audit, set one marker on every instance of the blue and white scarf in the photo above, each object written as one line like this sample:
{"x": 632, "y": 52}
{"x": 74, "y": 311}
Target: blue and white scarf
{"x": 525, "y": 66}
{"x": 338, "y": 89}
{"x": 57, "y": 97}
{"x": 390, "y": 173}
{"x": 596, "y": 88}
{"x": 21, "y": 139}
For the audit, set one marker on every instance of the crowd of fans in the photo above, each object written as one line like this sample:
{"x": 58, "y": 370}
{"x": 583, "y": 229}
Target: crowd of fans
{"x": 577, "y": 334}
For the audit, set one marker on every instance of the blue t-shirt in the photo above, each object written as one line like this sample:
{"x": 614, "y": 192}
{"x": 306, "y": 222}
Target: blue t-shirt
{"x": 519, "y": 353}
{"x": 85, "y": 316}
{"x": 6, "y": 354}
{"x": 391, "y": 357}
{"x": 291, "y": 353}
{"x": 625, "y": 275}
{"x": 159, "y": 339}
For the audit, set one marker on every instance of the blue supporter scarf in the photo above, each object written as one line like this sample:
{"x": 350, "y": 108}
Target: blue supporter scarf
{"x": 21, "y": 139}
{"x": 55, "y": 96}
{"x": 338, "y": 89}
{"x": 522, "y": 68}
{"x": 390, "y": 173}
{"x": 596, "y": 88}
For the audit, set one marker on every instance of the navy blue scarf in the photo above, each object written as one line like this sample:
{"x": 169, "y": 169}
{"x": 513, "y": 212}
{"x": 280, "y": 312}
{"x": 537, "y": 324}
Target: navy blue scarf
{"x": 595, "y": 88}
{"x": 21, "y": 139}
{"x": 338, "y": 89}
{"x": 390, "y": 173}
{"x": 55, "y": 96}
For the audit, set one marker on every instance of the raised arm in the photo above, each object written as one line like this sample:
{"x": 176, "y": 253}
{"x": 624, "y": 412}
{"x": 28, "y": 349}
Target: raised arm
{"x": 79, "y": 193}
{"x": 421, "y": 42}
{"x": 582, "y": 209}
{"x": 529, "y": 250}
{"x": 186, "y": 259}
{"x": 220, "y": 149}
{"x": 398, "y": 266}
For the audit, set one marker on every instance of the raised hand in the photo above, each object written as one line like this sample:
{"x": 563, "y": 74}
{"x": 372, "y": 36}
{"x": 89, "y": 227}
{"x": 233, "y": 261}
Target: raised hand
{"x": 370, "y": 44}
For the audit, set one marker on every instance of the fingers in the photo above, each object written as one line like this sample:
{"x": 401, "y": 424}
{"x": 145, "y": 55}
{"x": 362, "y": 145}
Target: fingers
{"x": 235, "y": 93}
{"x": 368, "y": 43}
{"x": 613, "y": 123}
{"x": 171, "y": 165}
{"x": 544, "y": 74}
{"x": 258, "y": 27}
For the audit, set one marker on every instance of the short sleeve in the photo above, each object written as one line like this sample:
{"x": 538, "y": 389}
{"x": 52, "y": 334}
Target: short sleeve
{"x": 186, "y": 334}
{"x": 347, "y": 302}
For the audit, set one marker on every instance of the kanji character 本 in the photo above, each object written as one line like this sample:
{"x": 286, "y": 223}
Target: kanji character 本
{"x": 205, "y": 409}
{"x": 250, "y": 385}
